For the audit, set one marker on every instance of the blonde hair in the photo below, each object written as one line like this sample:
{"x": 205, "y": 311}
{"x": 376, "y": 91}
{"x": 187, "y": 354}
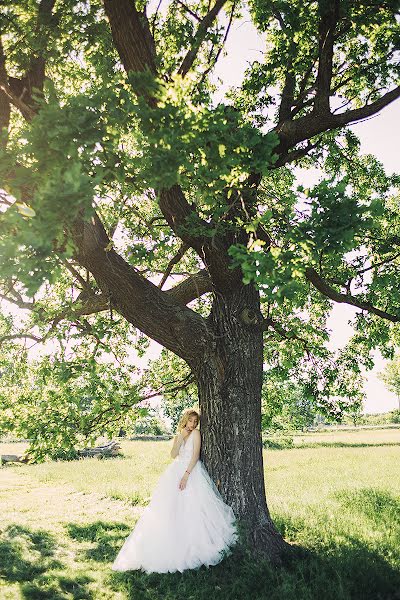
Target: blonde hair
{"x": 185, "y": 416}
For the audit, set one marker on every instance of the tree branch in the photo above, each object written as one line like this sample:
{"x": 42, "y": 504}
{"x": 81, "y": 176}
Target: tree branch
{"x": 34, "y": 78}
{"x": 85, "y": 285}
{"x": 21, "y": 90}
{"x": 325, "y": 289}
{"x": 27, "y": 112}
{"x": 130, "y": 40}
{"x": 191, "y": 12}
{"x": 191, "y": 288}
{"x": 16, "y": 336}
{"x": 211, "y": 62}
{"x": 174, "y": 261}
{"x": 131, "y": 34}
{"x": 287, "y": 97}
{"x": 284, "y": 333}
{"x": 184, "y": 384}
{"x": 199, "y": 37}
{"x": 367, "y": 110}
{"x": 329, "y": 15}
{"x": 293, "y": 132}
{"x": 18, "y": 302}
{"x": 179, "y": 214}
{"x": 154, "y": 312}
{"x": 379, "y": 264}
{"x": 295, "y": 154}
{"x": 4, "y": 99}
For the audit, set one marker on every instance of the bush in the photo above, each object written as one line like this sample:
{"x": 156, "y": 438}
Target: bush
{"x": 149, "y": 425}
{"x": 395, "y": 416}
{"x": 277, "y": 442}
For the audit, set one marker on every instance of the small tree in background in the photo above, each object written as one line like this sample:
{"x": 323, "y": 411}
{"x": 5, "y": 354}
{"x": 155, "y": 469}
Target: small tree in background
{"x": 391, "y": 376}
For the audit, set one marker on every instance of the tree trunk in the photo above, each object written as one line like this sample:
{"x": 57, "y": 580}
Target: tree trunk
{"x": 229, "y": 382}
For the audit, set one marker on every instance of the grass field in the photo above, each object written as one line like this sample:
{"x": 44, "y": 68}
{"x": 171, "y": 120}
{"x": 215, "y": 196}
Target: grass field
{"x": 335, "y": 494}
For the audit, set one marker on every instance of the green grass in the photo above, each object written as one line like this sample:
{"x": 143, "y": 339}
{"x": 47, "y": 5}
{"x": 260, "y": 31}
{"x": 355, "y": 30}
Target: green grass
{"x": 62, "y": 524}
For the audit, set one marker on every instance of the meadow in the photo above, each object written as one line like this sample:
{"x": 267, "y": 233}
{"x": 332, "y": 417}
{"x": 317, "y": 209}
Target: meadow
{"x": 336, "y": 495}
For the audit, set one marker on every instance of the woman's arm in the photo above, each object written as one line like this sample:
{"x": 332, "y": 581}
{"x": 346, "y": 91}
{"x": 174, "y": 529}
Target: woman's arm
{"x": 194, "y": 459}
{"x": 178, "y": 439}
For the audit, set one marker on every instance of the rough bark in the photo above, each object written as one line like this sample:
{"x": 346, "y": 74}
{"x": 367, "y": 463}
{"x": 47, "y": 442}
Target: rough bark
{"x": 229, "y": 380}
{"x": 329, "y": 15}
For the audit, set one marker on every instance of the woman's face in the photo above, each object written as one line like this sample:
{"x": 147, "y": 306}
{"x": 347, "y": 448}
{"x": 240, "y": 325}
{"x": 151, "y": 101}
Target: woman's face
{"x": 192, "y": 422}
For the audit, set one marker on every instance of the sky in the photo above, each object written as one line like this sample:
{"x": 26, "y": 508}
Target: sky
{"x": 379, "y": 135}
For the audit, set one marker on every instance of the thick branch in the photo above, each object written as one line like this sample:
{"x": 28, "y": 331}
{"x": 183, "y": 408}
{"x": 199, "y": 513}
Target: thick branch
{"x": 35, "y": 76}
{"x": 191, "y": 288}
{"x": 293, "y": 132}
{"x": 131, "y": 34}
{"x": 329, "y": 14}
{"x": 27, "y": 112}
{"x": 287, "y": 97}
{"x": 19, "y": 336}
{"x": 18, "y": 302}
{"x": 142, "y": 303}
{"x": 4, "y": 100}
{"x": 33, "y": 80}
{"x": 182, "y": 218}
{"x": 325, "y": 289}
{"x": 351, "y": 116}
{"x": 199, "y": 37}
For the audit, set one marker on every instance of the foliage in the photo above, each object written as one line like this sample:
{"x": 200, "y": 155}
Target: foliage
{"x": 171, "y": 374}
{"x": 278, "y": 442}
{"x": 375, "y": 419}
{"x": 61, "y": 405}
{"x": 149, "y": 425}
{"x": 395, "y": 416}
{"x": 391, "y": 376}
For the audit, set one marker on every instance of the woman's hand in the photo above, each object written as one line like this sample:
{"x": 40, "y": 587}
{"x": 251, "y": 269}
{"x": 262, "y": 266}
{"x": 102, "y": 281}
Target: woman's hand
{"x": 183, "y": 481}
{"x": 185, "y": 433}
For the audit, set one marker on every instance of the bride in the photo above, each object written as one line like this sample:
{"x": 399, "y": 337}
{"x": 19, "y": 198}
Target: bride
{"x": 186, "y": 524}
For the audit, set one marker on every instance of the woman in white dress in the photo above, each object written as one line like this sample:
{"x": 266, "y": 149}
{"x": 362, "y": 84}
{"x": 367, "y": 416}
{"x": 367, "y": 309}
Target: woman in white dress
{"x": 186, "y": 524}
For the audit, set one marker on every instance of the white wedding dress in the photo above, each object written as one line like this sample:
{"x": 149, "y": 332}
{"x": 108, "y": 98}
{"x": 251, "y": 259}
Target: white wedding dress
{"x": 180, "y": 529}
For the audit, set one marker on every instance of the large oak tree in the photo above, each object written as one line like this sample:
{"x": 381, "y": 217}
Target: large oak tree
{"x": 118, "y": 163}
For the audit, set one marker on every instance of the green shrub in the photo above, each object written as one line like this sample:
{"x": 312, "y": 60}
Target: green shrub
{"x": 277, "y": 442}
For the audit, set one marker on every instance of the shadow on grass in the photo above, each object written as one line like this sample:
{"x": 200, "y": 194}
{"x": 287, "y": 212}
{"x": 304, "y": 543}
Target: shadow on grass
{"x": 345, "y": 572}
{"x": 106, "y": 538}
{"x": 27, "y": 558}
{"x": 339, "y": 566}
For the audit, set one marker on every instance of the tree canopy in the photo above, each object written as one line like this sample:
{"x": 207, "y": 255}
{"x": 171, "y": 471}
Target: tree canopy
{"x": 131, "y": 194}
